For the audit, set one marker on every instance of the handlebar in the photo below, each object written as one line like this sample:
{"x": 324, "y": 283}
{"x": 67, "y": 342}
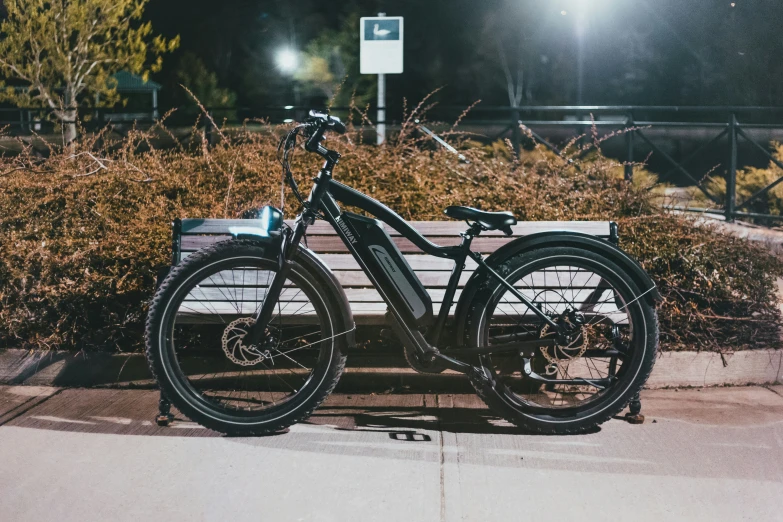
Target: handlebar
{"x": 317, "y": 124}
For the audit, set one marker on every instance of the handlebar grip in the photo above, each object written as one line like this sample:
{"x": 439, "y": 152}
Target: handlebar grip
{"x": 337, "y": 125}
{"x": 322, "y": 122}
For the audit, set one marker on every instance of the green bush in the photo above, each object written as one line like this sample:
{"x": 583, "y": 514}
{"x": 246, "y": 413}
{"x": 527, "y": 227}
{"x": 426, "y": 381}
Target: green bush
{"x": 83, "y": 231}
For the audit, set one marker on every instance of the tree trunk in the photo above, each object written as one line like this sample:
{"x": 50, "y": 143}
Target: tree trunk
{"x": 68, "y": 120}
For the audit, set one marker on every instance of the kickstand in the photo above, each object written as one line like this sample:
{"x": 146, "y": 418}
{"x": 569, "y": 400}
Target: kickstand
{"x": 164, "y": 417}
{"x": 634, "y": 415}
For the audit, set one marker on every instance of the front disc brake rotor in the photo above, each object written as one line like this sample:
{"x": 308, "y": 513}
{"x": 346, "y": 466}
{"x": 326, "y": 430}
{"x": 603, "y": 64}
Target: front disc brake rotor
{"x": 234, "y": 347}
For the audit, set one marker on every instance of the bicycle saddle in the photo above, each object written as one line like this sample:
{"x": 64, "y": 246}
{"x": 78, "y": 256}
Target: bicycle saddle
{"x": 486, "y": 220}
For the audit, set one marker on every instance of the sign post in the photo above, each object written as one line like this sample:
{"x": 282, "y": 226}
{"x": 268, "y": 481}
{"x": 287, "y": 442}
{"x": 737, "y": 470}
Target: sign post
{"x": 381, "y": 53}
{"x": 381, "y": 119}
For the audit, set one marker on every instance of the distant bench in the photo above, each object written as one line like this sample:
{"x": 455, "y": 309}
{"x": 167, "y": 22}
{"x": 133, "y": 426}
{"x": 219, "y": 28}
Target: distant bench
{"x": 368, "y": 308}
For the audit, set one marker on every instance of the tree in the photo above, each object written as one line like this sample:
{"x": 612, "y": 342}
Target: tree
{"x": 64, "y": 50}
{"x": 193, "y": 74}
{"x": 331, "y": 66}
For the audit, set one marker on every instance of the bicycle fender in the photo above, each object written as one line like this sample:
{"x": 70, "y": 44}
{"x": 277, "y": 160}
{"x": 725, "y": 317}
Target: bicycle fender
{"x": 556, "y": 238}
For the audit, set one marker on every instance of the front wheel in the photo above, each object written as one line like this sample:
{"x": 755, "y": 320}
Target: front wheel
{"x": 196, "y": 349}
{"x": 585, "y": 377}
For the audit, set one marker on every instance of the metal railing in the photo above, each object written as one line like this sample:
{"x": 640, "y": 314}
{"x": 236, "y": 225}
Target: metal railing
{"x": 635, "y": 125}
{"x": 769, "y": 118}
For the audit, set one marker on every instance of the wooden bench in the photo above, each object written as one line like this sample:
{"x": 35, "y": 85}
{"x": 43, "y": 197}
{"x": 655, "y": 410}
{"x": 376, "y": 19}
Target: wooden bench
{"x": 368, "y": 308}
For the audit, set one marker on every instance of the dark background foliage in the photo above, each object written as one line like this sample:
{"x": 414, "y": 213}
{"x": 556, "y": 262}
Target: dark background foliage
{"x": 635, "y": 51}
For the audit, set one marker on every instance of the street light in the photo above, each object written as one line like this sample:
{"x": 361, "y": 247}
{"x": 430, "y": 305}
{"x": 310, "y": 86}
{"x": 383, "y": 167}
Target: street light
{"x": 287, "y": 60}
{"x": 581, "y": 10}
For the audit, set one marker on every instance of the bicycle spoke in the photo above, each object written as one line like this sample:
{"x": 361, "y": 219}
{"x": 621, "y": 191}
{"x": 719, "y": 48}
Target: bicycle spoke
{"x": 557, "y": 290}
{"x": 212, "y": 320}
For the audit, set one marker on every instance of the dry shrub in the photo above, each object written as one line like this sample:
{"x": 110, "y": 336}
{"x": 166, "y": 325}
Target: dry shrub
{"x": 83, "y": 230}
{"x": 749, "y": 181}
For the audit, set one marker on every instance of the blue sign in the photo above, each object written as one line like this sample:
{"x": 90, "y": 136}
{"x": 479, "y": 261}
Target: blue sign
{"x": 381, "y": 29}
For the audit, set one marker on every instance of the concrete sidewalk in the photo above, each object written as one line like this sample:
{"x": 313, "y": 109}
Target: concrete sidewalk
{"x": 94, "y": 454}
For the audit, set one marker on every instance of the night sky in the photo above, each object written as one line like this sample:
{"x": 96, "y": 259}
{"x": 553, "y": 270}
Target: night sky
{"x": 679, "y": 52}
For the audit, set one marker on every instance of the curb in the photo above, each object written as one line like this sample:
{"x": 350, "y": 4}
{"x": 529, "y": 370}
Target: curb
{"x": 380, "y": 373}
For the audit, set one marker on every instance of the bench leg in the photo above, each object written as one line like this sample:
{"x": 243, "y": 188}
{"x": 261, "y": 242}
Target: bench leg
{"x": 164, "y": 417}
{"x": 634, "y": 415}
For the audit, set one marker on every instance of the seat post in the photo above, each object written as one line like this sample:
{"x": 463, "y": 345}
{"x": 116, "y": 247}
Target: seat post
{"x": 467, "y": 236}
{"x": 451, "y": 287}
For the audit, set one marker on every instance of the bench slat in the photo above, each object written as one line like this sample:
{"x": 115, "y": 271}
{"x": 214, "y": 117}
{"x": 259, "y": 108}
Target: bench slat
{"x": 369, "y": 314}
{"x": 359, "y": 296}
{"x": 193, "y": 226}
{"x": 365, "y": 301}
{"x": 333, "y": 244}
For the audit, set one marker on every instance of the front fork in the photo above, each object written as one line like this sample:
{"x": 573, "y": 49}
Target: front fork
{"x": 289, "y": 243}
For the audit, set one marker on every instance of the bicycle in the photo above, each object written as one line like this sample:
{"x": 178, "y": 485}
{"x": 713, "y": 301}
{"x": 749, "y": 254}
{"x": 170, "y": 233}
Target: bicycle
{"x": 556, "y": 331}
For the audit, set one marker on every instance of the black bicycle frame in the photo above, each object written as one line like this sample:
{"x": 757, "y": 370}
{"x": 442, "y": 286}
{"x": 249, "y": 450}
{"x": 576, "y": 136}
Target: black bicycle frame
{"x": 323, "y": 199}
{"x": 337, "y": 192}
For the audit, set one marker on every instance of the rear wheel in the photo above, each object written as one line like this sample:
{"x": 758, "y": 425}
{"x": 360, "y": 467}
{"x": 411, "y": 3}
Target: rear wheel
{"x": 585, "y": 377}
{"x": 195, "y": 331}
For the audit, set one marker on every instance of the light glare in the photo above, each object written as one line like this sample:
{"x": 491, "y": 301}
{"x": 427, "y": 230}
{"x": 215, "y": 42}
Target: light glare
{"x": 287, "y": 60}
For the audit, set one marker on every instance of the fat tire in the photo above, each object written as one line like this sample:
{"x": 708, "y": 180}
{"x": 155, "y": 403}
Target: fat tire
{"x": 484, "y": 382}
{"x": 179, "y": 275}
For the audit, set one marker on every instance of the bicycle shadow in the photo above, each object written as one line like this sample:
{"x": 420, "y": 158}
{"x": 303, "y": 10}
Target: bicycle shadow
{"x": 456, "y": 414}
{"x": 132, "y": 412}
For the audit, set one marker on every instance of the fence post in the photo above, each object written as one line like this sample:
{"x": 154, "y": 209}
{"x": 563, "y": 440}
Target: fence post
{"x": 629, "y": 148}
{"x": 731, "y": 182}
{"x": 516, "y": 133}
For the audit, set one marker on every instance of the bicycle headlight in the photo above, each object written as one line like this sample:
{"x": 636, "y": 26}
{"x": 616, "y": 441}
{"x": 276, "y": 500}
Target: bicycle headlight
{"x": 268, "y": 223}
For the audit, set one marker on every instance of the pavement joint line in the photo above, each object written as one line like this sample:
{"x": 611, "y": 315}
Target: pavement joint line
{"x": 767, "y": 386}
{"x": 21, "y": 405}
{"x": 33, "y": 405}
{"x": 442, "y": 461}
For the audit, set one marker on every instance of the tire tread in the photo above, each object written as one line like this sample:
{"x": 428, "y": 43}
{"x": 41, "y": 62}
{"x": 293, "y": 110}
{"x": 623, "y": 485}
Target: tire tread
{"x": 224, "y": 248}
